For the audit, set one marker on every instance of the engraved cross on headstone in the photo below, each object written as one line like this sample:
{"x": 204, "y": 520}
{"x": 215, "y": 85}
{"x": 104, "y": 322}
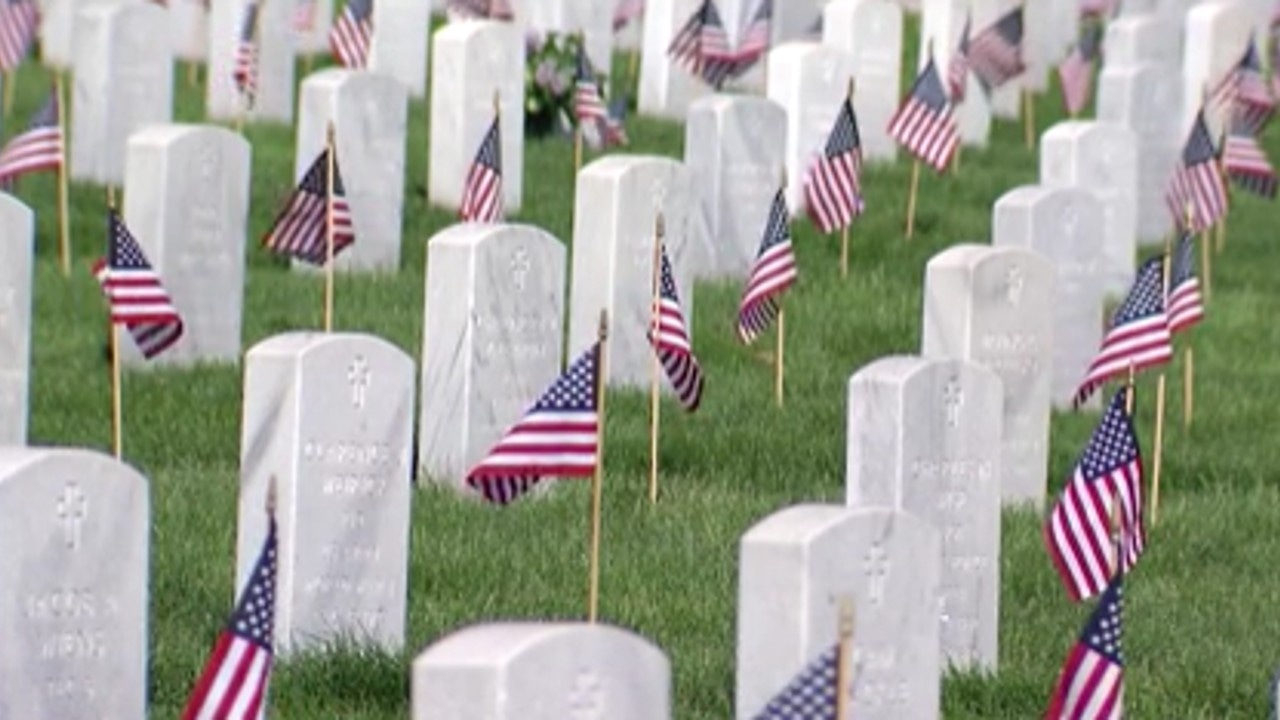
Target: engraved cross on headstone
{"x": 876, "y": 565}
{"x": 586, "y": 699}
{"x": 953, "y": 398}
{"x": 358, "y": 376}
{"x": 520, "y": 266}
{"x": 1013, "y": 282}
{"x": 72, "y": 509}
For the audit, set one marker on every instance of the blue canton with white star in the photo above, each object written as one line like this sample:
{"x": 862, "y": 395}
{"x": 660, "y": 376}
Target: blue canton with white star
{"x": 1104, "y": 633}
{"x": 1146, "y": 297}
{"x": 1113, "y": 444}
{"x": 811, "y": 696}
{"x": 254, "y": 618}
{"x": 574, "y": 391}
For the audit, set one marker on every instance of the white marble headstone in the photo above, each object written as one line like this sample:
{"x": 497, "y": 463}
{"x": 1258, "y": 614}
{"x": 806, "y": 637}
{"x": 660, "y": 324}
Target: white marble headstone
{"x": 994, "y": 306}
{"x": 1142, "y": 38}
{"x": 542, "y": 671}
{"x": 924, "y": 437}
{"x": 17, "y": 261}
{"x": 942, "y": 24}
{"x": 186, "y": 201}
{"x": 399, "y": 46}
{"x": 314, "y": 40}
{"x": 1101, "y": 157}
{"x": 870, "y": 31}
{"x": 613, "y": 250}
{"x": 470, "y": 62}
{"x": 810, "y": 81}
{"x": 666, "y": 89}
{"x": 328, "y": 417}
{"x": 795, "y": 568}
{"x": 75, "y": 527}
{"x": 735, "y": 149}
{"x": 1006, "y": 101}
{"x": 189, "y": 30}
{"x": 1140, "y": 97}
{"x": 1217, "y": 34}
{"x": 275, "y": 97}
{"x": 1065, "y": 226}
{"x": 123, "y": 81}
{"x": 369, "y": 112}
{"x": 491, "y": 343}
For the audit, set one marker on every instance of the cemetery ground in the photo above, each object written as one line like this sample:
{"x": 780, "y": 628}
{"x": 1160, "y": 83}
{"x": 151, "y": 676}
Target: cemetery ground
{"x": 1201, "y": 641}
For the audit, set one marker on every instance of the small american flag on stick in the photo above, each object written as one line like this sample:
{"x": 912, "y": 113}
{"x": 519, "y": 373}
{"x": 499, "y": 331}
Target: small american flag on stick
{"x": 833, "y": 186}
{"x": 925, "y": 124}
{"x": 1091, "y": 685}
{"x": 670, "y": 340}
{"x": 1245, "y": 162}
{"x": 1186, "y": 308}
{"x": 702, "y": 46}
{"x": 482, "y": 192}
{"x": 1076, "y": 72}
{"x": 39, "y": 148}
{"x": 138, "y": 301}
{"x": 19, "y": 20}
{"x": 1197, "y": 181}
{"x": 1078, "y": 529}
{"x": 996, "y": 53}
{"x": 245, "y": 73}
{"x": 1243, "y": 93}
{"x": 811, "y": 695}
{"x": 958, "y": 66}
{"x": 773, "y": 273}
{"x": 301, "y": 228}
{"x": 558, "y": 436}
{"x": 236, "y": 678}
{"x": 1139, "y": 336}
{"x": 756, "y": 38}
{"x": 352, "y": 33}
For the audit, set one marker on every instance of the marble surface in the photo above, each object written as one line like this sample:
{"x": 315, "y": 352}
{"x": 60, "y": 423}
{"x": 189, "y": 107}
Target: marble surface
{"x": 17, "y": 258}
{"x": 870, "y": 31}
{"x": 276, "y": 56}
{"x": 399, "y": 45}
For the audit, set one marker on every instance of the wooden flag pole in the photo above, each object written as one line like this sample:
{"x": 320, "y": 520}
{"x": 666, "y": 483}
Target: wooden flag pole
{"x": 655, "y": 384}
{"x": 844, "y": 659}
{"x": 64, "y": 216}
{"x": 328, "y": 225}
{"x": 117, "y": 376}
{"x": 1128, "y": 397}
{"x": 597, "y": 479}
{"x": 844, "y": 232}
{"x": 911, "y": 198}
{"x": 1117, "y": 526}
{"x": 779, "y": 365}
{"x": 1160, "y": 397}
{"x": 1188, "y": 385}
{"x": 1222, "y": 235}
{"x": 1029, "y": 118}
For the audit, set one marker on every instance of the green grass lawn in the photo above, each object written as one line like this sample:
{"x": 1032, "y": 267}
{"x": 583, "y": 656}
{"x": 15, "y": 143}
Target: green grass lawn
{"x": 1199, "y": 642}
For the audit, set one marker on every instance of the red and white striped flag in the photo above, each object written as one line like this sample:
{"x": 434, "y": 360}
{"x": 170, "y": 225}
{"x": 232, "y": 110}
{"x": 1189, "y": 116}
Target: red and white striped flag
{"x": 1245, "y": 162}
{"x": 245, "y": 73}
{"x": 996, "y": 53}
{"x": 1197, "y": 182}
{"x": 301, "y": 228}
{"x": 773, "y": 273}
{"x": 670, "y": 340}
{"x": 39, "y": 148}
{"x": 1186, "y": 309}
{"x": 19, "y": 20}
{"x": 958, "y": 66}
{"x": 1091, "y": 685}
{"x": 1076, "y": 72}
{"x": 833, "y": 185}
{"x": 352, "y": 34}
{"x": 482, "y": 193}
{"x": 234, "y": 683}
{"x": 925, "y": 124}
{"x": 138, "y": 301}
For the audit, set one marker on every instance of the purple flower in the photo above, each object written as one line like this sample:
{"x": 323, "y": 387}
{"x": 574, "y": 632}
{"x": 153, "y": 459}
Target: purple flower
{"x": 545, "y": 76}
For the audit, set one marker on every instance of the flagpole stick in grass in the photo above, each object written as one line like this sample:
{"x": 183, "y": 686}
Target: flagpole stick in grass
{"x": 64, "y": 219}
{"x": 597, "y": 479}
{"x": 1188, "y": 385}
{"x": 1160, "y": 398}
{"x": 844, "y": 231}
{"x": 330, "y": 151}
{"x": 780, "y": 365}
{"x": 1128, "y": 398}
{"x": 1029, "y": 118}
{"x": 117, "y": 377}
{"x": 655, "y": 383}
{"x": 844, "y": 658}
{"x": 911, "y": 198}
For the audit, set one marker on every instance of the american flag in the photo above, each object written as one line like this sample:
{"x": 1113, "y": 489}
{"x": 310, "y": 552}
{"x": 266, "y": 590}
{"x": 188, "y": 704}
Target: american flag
{"x": 588, "y": 105}
{"x": 456, "y": 10}
{"x": 1139, "y": 335}
{"x": 625, "y": 12}
{"x": 702, "y": 46}
{"x": 1245, "y": 162}
{"x": 996, "y": 54}
{"x": 833, "y": 185}
{"x": 811, "y": 695}
{"x": 1078, "y": 529}
{"x": 558, "y": 436}
{"x": 757, "y": 37}
{"x": 39, "y": 147}
{"x": 1091, "y": 686}
{"x": 925, "y": 124}
{"x": 18, "y": 22}
{"x": 773, "y": 273}
{"x": 672, "y": 344}
{"x": 301, "y": 229}
{"x": 1197, "y": 181}
{"x": 1076, "y": 72}
{"x": 1244, "y": 93}
{"x": 351, "y": 34}
{"x": 1185, "y": 306}
{"x": 138, "y": 300}
{"x": 304, "y": 15}
{"x": 246, "y": 67}
{"x": 958, "y": 67}
{"x": 235, "y": 681}
{"x": 482, "y": 194}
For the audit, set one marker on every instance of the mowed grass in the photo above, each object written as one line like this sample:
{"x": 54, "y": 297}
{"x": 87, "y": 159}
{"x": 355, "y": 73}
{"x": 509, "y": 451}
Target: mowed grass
{"x": 1201, "y": 639}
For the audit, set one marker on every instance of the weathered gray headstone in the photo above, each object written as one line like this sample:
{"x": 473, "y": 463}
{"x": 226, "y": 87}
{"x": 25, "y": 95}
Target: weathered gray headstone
{"x": 75, "y": 527}
{"x": 796, "y": 568}
{"x": 186, "y": 201}
{"x": 542, "y": 671}
{"x": 870, "y": 31}
{"x": 994, "y": 306}
{"x": 734, "y": 149}
{"x": 369, "y": 112}
{"x": 613, "y": 243}
{"x": 275, "y": 96}
{"x": 328, "y": 417}
{"x": 491, "y": 341}
{"x": 123, "y": 81}
{"x": 924, "y": 437}
{"x": 17, "y": 251}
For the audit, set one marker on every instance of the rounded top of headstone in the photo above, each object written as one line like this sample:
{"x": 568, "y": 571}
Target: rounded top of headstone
{"x": 806, "y": 523}
{"x": 971, "y": 256}
{"x": 618, "y": 165}
{"x": 793, "y": 50}
{"x": 498, "y": 643}
{"x": 464, "y": 31}
{"x": 101, "y": 10}
{"x": 902, "y": 369}
{"x": 305, "y": 342}
{"x": 471, "y": 234}
{"x": 336, "y": 77}
{"x": 719, "y": 104}
{"x": 1075, "y": 130}
{"x": 43, "y": 462}
{"x": 169, "y": 133}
